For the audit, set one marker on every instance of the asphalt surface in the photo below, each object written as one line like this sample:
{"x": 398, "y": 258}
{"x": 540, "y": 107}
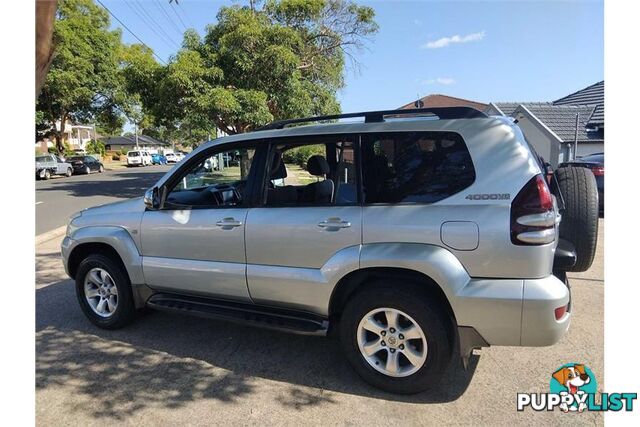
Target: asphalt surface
{"x": 169, "y": 369}
{"x": 60, "y": 197}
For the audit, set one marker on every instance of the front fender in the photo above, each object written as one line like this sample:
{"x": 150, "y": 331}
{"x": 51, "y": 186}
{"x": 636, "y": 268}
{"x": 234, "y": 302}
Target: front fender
{"x": 116, "y": 237}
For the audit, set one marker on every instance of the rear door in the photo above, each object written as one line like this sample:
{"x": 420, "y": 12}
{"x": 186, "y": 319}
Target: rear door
{"x": 92, "y": 163}
{"x": 307, "y": 222}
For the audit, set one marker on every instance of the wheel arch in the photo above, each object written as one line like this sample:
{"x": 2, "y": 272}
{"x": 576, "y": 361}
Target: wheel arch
{"x": 357, "y": 280}
{"x": 113, "y": 241}
{"x": 83, "y": 250}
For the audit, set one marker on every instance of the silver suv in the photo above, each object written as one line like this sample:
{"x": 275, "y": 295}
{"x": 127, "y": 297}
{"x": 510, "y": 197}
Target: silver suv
{"x": 412, "y": 235}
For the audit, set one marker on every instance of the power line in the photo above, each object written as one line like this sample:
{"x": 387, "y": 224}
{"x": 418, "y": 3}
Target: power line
{"x": 160, "y": 27}
{"x": 132, "y": 33}
{"x": 161, "y": 7}
{"x": 185, "y": 14}
{"x": 178, "y": 15}
{"x": 148, "y": 23}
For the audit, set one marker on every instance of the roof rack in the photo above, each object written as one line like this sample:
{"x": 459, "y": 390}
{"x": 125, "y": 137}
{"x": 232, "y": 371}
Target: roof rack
{"x": 442, "y": 113}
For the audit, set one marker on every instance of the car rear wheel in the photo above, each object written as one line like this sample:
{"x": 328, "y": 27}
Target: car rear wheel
{"x": 101, "y": 169}
{"x": 395, "y": 337}
{"x": 47, "y": 174}
{"x": 579, "y": 223}
{"x": 69, "y": 172}
{"x": 104, "y": 292}
{"x": 87, "y": 170}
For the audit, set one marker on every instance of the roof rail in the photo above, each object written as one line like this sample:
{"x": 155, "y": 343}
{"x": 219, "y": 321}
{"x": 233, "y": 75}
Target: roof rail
{"x": 442, "y": 113}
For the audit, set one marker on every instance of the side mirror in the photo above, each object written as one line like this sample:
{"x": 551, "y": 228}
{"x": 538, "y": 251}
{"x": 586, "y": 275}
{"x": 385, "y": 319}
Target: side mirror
{"x": 152, "y": 198}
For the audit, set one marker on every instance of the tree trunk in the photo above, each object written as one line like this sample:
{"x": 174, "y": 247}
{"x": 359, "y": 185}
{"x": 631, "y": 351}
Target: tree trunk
{"x": 60, "y": 134}
{"x": 59, "y": 142}
{"x": 45, "y": 17}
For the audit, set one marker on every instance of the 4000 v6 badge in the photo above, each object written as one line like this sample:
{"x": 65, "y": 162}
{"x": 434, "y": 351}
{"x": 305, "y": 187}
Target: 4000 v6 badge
{"x": 489, "y": 196}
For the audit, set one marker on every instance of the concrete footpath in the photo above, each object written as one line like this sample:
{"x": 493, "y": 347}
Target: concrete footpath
{"x": 167, "y": 370}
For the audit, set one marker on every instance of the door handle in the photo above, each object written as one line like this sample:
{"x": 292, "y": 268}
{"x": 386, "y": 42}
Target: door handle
{"x": 334, "y": 223}
{"x": 228, "y": 223}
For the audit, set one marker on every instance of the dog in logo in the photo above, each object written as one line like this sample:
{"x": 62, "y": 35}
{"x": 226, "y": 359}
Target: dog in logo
{"x": 572, "y": 377}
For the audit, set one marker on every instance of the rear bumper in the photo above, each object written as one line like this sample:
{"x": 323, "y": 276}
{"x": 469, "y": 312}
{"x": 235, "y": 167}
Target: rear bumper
{"x": 540, "y": 300}
{"x": 515, "y": 312}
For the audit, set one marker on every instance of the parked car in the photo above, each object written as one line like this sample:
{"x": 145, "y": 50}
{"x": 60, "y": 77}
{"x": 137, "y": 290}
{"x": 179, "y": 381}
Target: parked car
{"x": 158, "y": 159}
{"x": 412, "y": 239}
{"x": 138, "y": 158}
{"x": 85, "y": 164}
{"x": 48, "y": 165}
{"x": 594, "y": 162}
{"x": 172, "y": 157}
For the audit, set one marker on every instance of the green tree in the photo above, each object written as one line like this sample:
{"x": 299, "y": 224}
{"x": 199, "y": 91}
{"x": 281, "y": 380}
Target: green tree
{"x": 283, "y": 59}
{"x": 83, "y": 79}
{"x": 96, "y": 147}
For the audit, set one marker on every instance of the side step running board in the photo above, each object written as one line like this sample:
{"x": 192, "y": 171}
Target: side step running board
{"x": 268, "y": 317}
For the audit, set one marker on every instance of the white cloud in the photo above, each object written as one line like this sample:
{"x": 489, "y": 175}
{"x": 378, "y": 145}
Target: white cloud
{"x": 438, "y": 80}
{"x": 417, "y": 22}
{"x": 446, "y": 41}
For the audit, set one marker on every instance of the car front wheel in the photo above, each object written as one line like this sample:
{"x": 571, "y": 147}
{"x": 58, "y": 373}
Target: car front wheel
{"x": 69, "y": 172}
{"x": 104, "y": 292}
{"x": 395, "y": 337}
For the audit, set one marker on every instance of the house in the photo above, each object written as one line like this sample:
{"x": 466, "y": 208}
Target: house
{"x": 561, "y": 130}
{"x": 126, "y": 143}
{"x": 438, "y": 100}
{"x": 77, "y": 136}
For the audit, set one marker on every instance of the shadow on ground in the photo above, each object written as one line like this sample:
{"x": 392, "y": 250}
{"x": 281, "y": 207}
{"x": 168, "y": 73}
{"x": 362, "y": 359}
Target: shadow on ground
{"x": 49, "y": 268}
{"x": 123, "y": 185}
{"x": 171, "y": 360}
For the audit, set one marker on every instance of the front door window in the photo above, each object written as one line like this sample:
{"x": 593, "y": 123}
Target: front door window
{"x": 218, "y": 180}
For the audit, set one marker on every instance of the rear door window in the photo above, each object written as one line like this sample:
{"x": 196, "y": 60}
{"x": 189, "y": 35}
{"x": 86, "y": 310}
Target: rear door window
{"x": 414, "y": 167}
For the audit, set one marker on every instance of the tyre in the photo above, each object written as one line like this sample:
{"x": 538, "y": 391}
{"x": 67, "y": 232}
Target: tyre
{"x": 101, "y": 169}
{"x": 69, "y": 172}
{"x": 47, "y": 174}
{"x": 87, "y": 170}
{"x": 104, "y": 292}
{"x": 395, "y": 337}
{"x": 579, "y": 223}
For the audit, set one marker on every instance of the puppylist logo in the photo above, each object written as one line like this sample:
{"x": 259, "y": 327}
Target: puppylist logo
{"x": 573, "y": 388}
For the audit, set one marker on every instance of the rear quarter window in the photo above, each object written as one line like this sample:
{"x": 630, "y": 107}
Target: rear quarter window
{"x": 414, "y": 167}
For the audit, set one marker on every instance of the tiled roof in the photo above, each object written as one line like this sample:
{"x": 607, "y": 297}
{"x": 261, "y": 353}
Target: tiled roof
{"x": 591, "y": 95}
{"x": 561, "y": 119}
{"x": 437, "y": 100}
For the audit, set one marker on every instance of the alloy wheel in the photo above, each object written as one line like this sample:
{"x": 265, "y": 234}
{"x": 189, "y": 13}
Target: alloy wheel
{"x": 392, "y": 342}
{"x": 101, "y": 292}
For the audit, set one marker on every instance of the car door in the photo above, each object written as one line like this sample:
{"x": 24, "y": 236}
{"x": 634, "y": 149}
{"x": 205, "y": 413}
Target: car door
{"x": 61, "y": 168}
{"x": 298, "y": 242}
{"x": 195, "y": 242}
{"x": 95, "y": 164}
{"x": 90, "y": 162}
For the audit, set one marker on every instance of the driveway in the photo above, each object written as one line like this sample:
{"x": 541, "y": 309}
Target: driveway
{"x": 167, "y": 369}
{"x": 60, "y": 197}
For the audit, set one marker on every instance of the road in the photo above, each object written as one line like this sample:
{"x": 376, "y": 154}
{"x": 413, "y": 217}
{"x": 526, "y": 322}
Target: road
{"x": 167, "y": 369}
{"x": 58, "y": 198}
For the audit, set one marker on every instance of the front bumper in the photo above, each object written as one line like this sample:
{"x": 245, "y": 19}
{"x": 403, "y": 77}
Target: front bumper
{"x": 515, "y": 312}
{"x": 65, "y": 250}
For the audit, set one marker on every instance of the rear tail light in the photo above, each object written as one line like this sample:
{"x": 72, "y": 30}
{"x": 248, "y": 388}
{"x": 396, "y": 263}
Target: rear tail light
{"x": 560, "y": 311}
{"x": 598, "y": 170}
{"x": 532, "y": 214}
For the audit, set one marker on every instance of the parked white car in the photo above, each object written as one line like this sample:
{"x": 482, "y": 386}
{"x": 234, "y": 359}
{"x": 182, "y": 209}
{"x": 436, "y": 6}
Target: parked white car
{"x": 138, "y": 158}
{"x": 172, "y": 157}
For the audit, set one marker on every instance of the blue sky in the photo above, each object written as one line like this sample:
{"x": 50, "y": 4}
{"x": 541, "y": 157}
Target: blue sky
{"x": 479, "y": 50}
